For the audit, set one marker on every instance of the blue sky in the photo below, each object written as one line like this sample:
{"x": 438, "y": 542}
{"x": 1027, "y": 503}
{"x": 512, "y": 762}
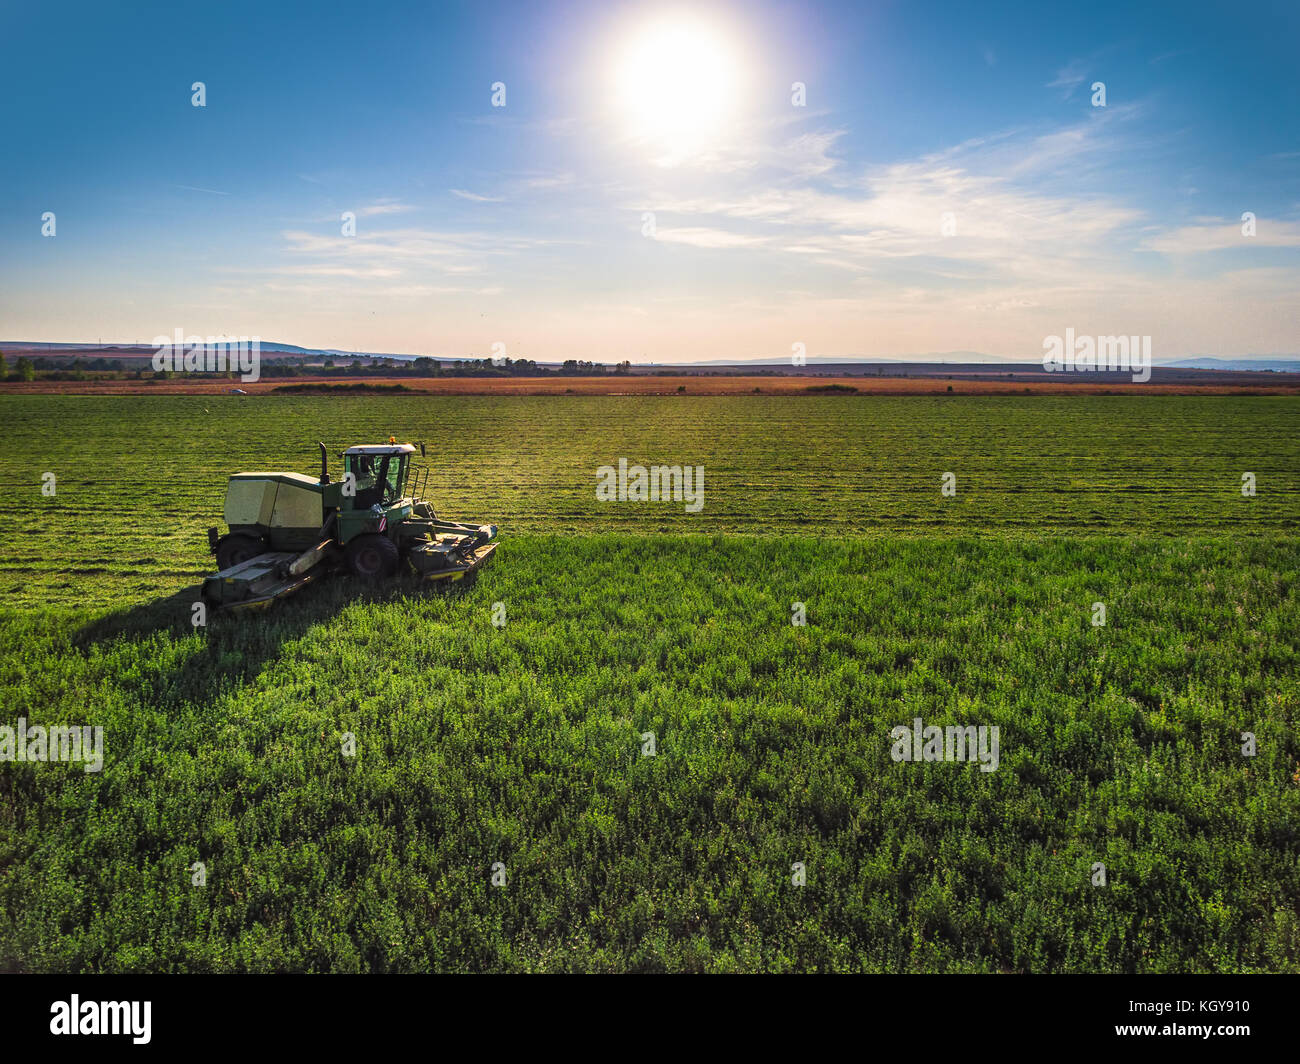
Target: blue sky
{"x": 947, "y": 186}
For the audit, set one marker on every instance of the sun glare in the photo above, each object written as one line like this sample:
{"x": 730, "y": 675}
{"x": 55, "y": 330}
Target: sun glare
{"x": 678, "y": 81}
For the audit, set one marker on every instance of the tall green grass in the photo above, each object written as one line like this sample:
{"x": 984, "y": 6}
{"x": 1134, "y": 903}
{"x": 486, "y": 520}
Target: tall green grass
{"x": 523, "y": 745}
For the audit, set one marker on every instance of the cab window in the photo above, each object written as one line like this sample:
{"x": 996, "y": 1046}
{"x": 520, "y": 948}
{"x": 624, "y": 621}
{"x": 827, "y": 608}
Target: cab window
{"x": 378, "y": 478}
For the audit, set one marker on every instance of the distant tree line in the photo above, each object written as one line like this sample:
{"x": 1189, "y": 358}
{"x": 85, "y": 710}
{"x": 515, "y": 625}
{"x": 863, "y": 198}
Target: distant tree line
{"x": 46, "y": 368}
{"x": 141, "y": 368}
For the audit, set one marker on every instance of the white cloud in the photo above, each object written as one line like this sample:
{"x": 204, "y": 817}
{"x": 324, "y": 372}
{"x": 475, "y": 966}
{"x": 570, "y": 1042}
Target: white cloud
{"x": 209, "y": 191}
{"x": 1070, "y": 77}
{"x": 899, "y": 211}
{"x": 545, "y": 181}
{"x": 1214, "y": 235}
{"x": 384, "y": 206}
{"x": 707, "y": 238}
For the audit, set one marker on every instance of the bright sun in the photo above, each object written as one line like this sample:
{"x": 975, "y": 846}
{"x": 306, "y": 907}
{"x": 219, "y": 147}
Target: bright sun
{"x": 677, "y": 83}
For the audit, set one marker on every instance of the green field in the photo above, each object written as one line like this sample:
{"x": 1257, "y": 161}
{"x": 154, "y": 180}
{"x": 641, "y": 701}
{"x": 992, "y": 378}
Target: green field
{"x": 523, "y": 744}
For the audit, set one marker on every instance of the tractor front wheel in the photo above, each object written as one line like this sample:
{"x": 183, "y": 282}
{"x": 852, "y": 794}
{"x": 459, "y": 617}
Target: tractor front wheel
{"x": 372, "y": 557}
{"x": 237, "y": 547}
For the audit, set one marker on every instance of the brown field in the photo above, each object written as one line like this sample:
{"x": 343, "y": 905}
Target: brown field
{"x": 648, "y": 385}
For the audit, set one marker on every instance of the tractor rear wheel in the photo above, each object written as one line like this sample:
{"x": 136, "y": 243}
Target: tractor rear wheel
{"x": 372, "y": 557}
{"x": 238, "y": 547}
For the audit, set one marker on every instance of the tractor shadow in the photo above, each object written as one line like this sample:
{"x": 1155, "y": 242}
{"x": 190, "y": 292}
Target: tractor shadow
{"x": 236, "y": 646}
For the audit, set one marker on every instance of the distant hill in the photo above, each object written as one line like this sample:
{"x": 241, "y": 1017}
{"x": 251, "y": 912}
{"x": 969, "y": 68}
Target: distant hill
{"x": 273, "y": 347}
{"x": 957, "y": 363}
{"x": 1238, "y": 365}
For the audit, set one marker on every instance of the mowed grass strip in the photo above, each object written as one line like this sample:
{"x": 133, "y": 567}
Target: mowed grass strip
{"x": 140, "y": 479}
{"x": 523, "y": 745}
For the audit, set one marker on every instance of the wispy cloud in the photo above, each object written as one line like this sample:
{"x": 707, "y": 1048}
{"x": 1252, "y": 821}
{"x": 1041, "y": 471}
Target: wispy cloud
{"x": 708, "y": 238}
{"x": 770, "y": 146}
{"x": 384, "y": 206}
{"x": 980, "y": 204}
{"x": 209, "y": 191}
{"x": 1217, "y": 235}
{"x": 399, "y": 260}
{"x": 474, "y": 197}
{"x": 1071, "y": 76}
{"x": 547, "y": 181}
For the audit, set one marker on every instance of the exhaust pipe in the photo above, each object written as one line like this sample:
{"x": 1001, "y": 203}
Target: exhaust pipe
{"x": 324, "y": 465}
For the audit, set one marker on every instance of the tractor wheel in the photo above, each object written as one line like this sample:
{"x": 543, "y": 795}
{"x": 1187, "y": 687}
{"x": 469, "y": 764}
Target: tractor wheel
{"x": 372, "y": 557}
{"x": 237, "y": 547}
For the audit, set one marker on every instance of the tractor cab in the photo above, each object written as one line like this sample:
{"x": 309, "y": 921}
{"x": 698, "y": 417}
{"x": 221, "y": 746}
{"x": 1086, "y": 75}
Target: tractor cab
{"x": 377, "y": 474}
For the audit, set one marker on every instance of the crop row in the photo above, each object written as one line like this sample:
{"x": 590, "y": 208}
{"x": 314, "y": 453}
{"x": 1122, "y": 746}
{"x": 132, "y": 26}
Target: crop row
{"x": 138, "y": 480}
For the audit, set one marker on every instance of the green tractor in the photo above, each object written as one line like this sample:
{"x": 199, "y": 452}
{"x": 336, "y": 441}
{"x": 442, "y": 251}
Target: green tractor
{"x": 286, "y": 529}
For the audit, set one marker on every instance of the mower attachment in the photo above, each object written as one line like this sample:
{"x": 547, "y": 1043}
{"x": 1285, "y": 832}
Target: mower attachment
{"x": 260, "y": 581}
{"x": 441, "y": 561}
